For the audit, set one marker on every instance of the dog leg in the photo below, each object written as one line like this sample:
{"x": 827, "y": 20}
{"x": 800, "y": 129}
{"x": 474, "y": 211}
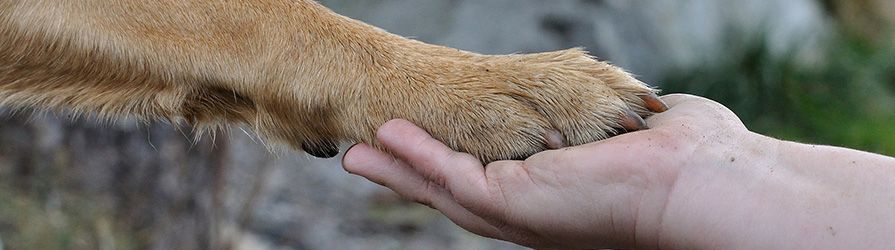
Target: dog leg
{"x": 301, "y": 74}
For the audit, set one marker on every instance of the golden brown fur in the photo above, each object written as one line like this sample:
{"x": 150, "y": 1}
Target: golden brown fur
{"x": 298, "y": 73}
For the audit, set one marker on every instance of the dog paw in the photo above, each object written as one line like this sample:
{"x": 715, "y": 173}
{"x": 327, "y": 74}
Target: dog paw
{"x": 513, "y": 106}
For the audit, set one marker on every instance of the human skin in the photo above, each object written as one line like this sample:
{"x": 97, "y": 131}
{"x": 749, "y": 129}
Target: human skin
{"x": 698, "y": 179}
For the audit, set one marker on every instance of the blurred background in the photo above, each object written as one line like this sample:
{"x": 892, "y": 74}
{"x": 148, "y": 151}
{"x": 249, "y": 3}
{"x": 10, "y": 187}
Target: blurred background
{"x": 815, "y": 71}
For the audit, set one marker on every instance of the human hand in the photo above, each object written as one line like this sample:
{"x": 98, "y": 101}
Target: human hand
{"x": 610, "y": 194}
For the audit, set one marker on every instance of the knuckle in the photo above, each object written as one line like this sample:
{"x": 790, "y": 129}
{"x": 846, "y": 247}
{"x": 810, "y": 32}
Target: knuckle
{"x": 425, "y": 195}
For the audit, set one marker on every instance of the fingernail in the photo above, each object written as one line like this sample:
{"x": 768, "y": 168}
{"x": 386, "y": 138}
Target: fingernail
{"x": 347, "y": 151}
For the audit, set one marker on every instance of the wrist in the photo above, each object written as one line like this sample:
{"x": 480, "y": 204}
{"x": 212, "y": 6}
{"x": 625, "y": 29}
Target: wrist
{"x": 799, "y": 196}
{"x": 723, "y": 194}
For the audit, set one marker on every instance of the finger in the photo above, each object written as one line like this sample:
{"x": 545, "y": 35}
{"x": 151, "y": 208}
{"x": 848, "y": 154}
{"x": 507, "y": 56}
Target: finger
{"x": 459, "y": 172}
{"x": 370, "y": 163}
{"x": 691, "y": 110}
{"x": 385, "y": 170}
{"x": 674, "y": 99}
{"x": 462, "y": 174}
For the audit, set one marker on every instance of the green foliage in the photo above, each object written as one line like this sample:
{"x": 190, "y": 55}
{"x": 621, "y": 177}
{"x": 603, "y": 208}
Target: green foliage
{"x": 845, "y": 99}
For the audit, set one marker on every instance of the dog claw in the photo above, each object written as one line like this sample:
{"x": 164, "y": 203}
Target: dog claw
{"x": 321, "y": 149}
{"x": 652, "y": 102}
{"x": 632, "y": 121}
